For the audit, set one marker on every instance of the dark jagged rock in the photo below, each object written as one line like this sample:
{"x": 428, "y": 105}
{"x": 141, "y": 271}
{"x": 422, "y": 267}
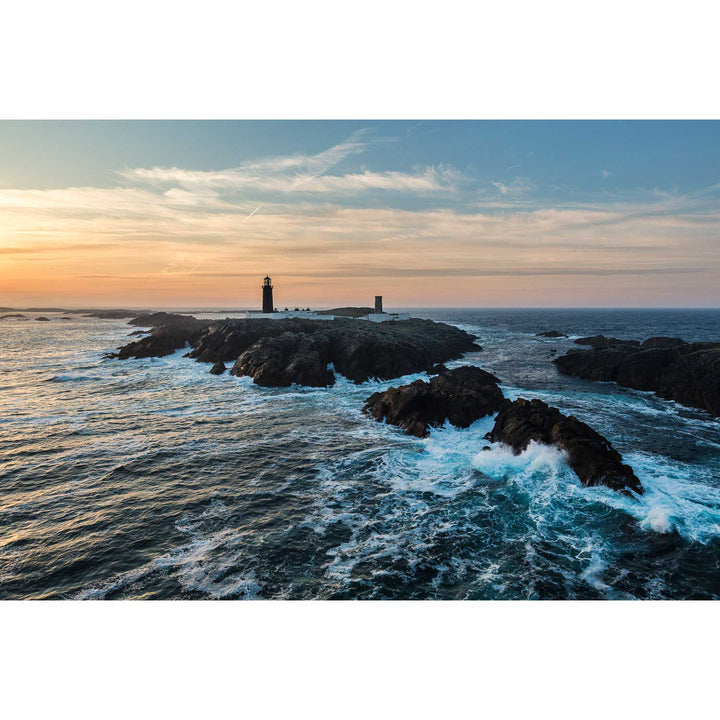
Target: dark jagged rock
{"x": 602, "y": 364}
{"x": 227, "y": 340}
{"x": 159, "y": 319}
{"x": 289, "y": 358}
{"x": 218, "y": 368}
{"x": 461, "y": 396}
{"x": 551, "y": 334}
{"x": 688, "y": 373}
{"x": 590, "y": 455}
{"x": 693, "y": 377}
{"x": 359, "y": 350}
{"x": 12, "y": 315}
{"x": 42, "y": 319}
{"x": 111, "y": 314}
{"x": 661, "y": 342}
{"x": 641, "y": 370}
{"x": 600, "y": 341}
{"x": 171, "y": 333}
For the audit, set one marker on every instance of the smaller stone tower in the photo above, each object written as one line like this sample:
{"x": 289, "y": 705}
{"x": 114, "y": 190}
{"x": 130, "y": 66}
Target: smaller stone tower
{"x": 267, "y": 288}
{"x": 378, "y": 304}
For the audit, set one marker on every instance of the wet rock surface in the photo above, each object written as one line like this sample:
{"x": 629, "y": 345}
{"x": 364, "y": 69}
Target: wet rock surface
{"x": 688, "y": 373}
{"x": 590, "y": 455}
{"x": 460, "y": 396}
{"x": 551, "y": 334}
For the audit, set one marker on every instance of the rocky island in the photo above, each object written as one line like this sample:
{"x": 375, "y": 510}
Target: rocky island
{"x": 278, "y": 353}
{"x": 673, "y": 369}
{"x": 460, "y": 396}
{"x": 589, "y": 454}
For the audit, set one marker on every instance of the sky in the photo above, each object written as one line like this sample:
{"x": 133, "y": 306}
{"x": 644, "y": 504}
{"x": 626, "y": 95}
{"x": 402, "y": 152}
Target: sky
{"x": 163, "y": 214}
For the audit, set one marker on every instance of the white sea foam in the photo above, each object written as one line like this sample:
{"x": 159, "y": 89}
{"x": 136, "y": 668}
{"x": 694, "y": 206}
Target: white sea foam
{"x": 500, "y": 462}
{"x": 678, "y": 497}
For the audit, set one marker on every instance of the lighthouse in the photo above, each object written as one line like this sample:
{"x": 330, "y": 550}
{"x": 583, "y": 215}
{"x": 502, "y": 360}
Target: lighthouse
{"x": 269, "y": 312}
{"x": 268, "y": 306}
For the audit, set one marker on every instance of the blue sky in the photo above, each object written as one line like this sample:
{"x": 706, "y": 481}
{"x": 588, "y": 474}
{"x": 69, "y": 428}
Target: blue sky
{"x": 568, "y": 154}
{"x": 493, "y": 212}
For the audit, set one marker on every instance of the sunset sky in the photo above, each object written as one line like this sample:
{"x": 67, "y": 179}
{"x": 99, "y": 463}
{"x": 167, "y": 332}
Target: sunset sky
{"x": 194, "y": 214}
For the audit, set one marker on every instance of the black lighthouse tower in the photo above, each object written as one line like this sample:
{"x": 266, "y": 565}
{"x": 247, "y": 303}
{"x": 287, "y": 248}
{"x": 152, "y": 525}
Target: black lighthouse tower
{"x": 268, "y": 305}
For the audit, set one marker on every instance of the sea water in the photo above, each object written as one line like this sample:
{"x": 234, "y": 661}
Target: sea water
{"x": 154, "y": 479}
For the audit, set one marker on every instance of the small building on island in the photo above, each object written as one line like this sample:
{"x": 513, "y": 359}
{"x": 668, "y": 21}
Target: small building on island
{"x": 379, "y": 316}
{"x": 270, "y": 312}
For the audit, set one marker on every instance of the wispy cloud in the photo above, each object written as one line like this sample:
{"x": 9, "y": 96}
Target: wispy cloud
{"x": 244, "y": 180}
{"x": 515, "y": 188}
{"x": 292, "y": 174}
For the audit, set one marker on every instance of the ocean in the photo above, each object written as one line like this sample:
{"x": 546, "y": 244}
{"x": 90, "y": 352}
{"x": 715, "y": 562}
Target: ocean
{"x": 152, "y": 479}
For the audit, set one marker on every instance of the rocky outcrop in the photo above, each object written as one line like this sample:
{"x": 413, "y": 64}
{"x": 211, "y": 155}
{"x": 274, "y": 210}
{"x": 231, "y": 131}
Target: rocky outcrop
{"x": 688, "y": 373}
{"x": 461, "y": 396}
{"x": 551, "y": 334}
{"x": 600, "y": 341}
{"x": 281, "y": 352}
{"x": 42, "y": 319}
{"x": 111, "y": 314}
{"x": 286, "y": 359}
{"x": 602, "y": 364}
{"x": 169, "y": 333}
{"x": 589, "y": 454}
{"x": 218, "y": 368}
{"x": 161, "y": 319}
{"x": 661, "y": 342}
{"x": 358, "y": 350}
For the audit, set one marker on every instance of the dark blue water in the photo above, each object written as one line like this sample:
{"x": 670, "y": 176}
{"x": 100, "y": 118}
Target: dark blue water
{"x": 153, "y": 479}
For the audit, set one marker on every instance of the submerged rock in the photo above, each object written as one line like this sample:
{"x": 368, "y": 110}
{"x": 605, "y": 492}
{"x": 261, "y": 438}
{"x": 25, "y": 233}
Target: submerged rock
{"x": 461, "y": 396}
{"x": 551, "y": 334}
{"x": 673, "y": 369}
{"x": 42, "y": 319}
{"x": 590, "y": 455}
